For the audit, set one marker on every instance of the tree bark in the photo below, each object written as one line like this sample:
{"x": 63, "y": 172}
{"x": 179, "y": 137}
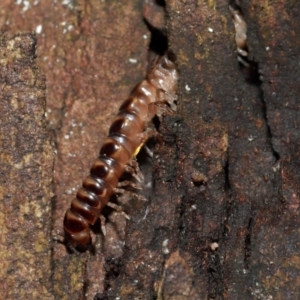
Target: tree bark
{"x": 26, "y": 166}
{"x": 221, "y": 219}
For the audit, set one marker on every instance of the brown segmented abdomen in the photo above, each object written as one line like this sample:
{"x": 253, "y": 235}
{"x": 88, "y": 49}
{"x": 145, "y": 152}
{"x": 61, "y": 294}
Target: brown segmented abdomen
{"x": 126, "y": 135}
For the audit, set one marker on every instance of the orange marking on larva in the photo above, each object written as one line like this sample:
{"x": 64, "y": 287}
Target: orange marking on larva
{"x": 138, "y": 149}
{"x": 126, "y": 137}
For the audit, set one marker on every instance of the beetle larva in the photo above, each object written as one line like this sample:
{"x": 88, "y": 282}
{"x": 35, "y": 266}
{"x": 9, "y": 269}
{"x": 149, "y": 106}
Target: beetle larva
{"x": 127, "y": 135}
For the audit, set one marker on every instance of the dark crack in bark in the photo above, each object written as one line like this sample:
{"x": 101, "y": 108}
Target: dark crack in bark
{"x": 248, "y": 67}
{"x": 248, "y": 244}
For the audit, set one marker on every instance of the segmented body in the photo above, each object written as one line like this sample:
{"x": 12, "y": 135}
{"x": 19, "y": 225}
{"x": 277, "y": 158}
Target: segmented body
{"x": 126, "y": 135}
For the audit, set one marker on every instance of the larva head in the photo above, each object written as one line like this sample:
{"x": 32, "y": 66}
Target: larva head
{"x": 164, "y": 76}
{"x": 77, "y": 231}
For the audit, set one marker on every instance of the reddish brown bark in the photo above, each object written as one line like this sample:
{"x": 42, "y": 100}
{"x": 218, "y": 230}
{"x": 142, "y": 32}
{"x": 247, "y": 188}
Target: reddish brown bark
{"x": 221, "y": 221}
{"x": 26, "y": 166}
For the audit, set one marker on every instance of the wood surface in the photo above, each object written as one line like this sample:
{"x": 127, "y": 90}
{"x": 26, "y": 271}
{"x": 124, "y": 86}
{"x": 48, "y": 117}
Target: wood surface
{"x": 222, "y": 216}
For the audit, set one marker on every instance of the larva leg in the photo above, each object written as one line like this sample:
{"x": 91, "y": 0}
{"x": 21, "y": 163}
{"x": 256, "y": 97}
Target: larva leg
{"x": 129, "y": 193}
{"x": 118, "y": 209}
{"x": 58, "y": 236}
{"x": 130, "y": 183}
{"x": 148, "y": 151}
{"x": 102, "y": 222}
{"x": 132, "y": 168}
{"x": 143, "y": 137}
{"x": 243, "y": 62}
{"x": 147, "y": 134}
{"x": 165, "y": 97}
{"x": 161, "y": 107}
{"x": 73, "y": 249}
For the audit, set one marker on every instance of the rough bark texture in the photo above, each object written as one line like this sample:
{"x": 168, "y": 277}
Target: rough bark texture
{"x": 222, "y": 217}
{"x": 26, "y": 166}
{"x": 92, "y": 53}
